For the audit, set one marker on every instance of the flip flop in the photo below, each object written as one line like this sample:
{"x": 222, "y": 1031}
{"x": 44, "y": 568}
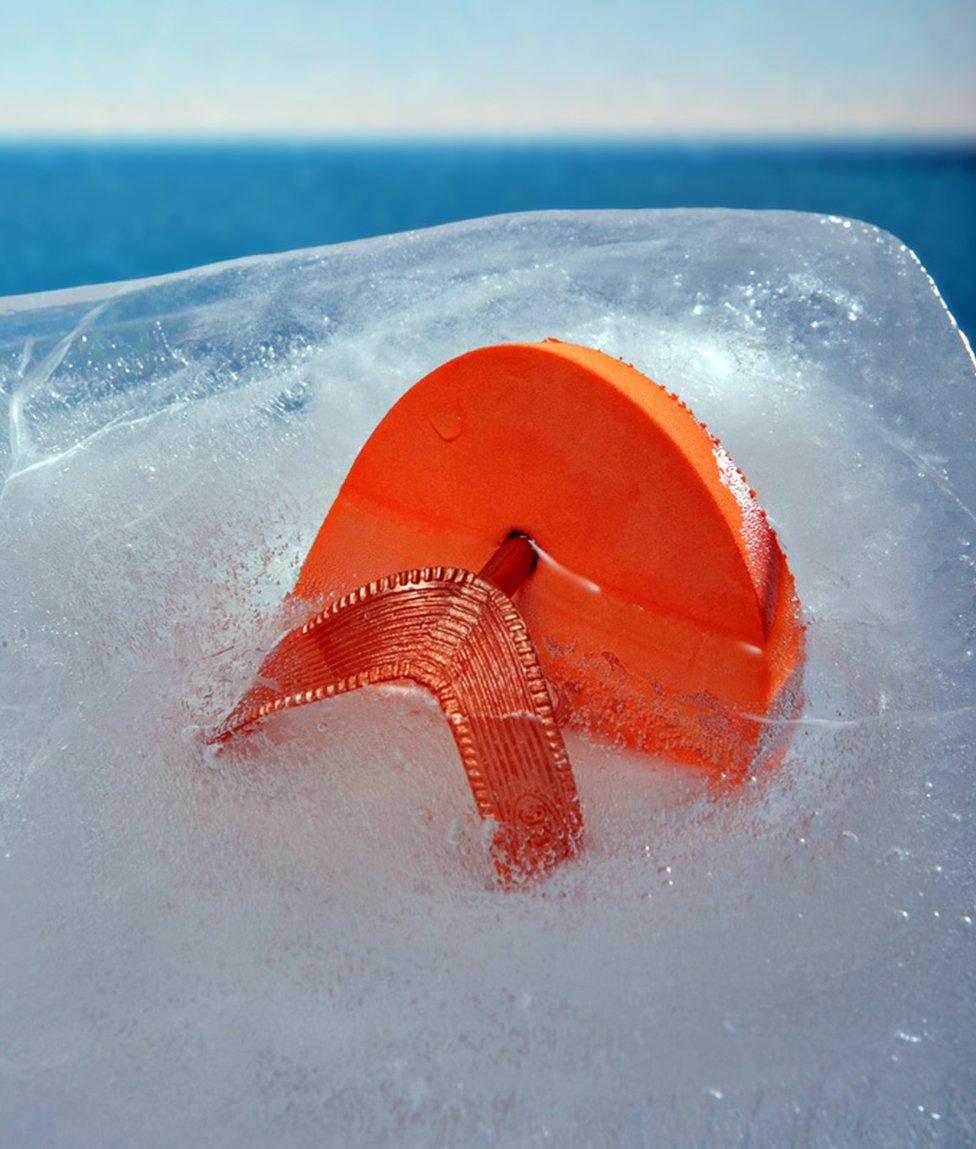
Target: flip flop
{"x": 655, "y": 606}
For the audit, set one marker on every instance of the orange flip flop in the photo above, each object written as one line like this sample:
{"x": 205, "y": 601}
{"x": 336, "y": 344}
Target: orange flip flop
{"x": 661, "y": 613}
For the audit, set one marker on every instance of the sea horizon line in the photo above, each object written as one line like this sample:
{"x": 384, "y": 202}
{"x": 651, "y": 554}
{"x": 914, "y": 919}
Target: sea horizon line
{"x": 717, "y": 139}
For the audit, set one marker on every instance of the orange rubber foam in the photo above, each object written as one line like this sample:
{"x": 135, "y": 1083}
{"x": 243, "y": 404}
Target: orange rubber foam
{"x": 664, "y": 612}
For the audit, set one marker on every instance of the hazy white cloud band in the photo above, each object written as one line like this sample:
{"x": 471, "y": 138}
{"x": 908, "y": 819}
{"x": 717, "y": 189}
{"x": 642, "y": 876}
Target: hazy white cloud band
{"x": 298, "y": 67}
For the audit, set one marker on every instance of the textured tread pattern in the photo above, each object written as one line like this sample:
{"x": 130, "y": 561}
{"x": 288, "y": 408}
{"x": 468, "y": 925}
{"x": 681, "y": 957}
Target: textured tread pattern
{"x": 461, "y": 638}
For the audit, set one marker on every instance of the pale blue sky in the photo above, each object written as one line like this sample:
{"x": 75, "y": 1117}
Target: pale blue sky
{"x": 578, "y": 66}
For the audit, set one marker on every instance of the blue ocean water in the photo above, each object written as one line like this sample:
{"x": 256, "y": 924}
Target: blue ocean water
{"x": 81, "y": 212}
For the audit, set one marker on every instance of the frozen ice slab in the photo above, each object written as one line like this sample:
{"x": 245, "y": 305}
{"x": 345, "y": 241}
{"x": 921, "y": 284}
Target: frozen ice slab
{"x": 297, "y": 942}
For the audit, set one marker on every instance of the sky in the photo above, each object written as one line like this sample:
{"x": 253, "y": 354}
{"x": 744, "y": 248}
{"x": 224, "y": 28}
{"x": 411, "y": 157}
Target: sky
{"x": 494, "y": 67}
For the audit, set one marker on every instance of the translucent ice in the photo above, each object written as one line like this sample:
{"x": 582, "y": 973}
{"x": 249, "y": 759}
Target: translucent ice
{"x": 297, "y": 942}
